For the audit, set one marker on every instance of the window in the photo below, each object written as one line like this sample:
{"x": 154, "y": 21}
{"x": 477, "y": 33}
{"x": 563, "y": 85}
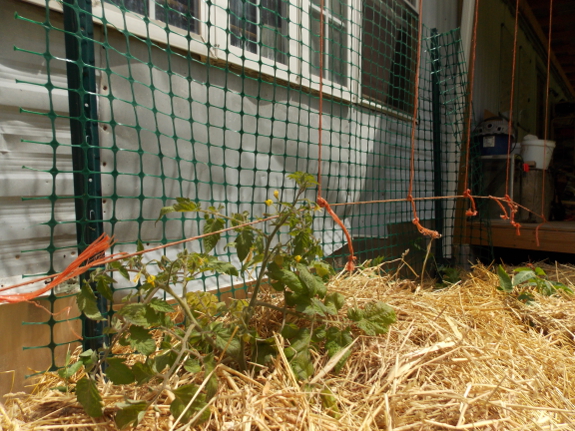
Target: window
{"x": 335, "y": 49}
{"x": 369, "y": 50}
{"x": 182, "y": 14}
{"x": 389, "y": 49}
{"x": 261, "y": 28}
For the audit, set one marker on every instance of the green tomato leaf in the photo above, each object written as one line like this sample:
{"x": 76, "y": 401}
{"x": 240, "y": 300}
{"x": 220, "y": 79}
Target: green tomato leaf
{"x": 244, "y": 243}
{"x": 315, "y": 307}
{"x": 302, "y": 365}
{"x": 224, "y": 340}
{"x": 337, "y": 340}
{"x": 161, "y": 305}
{"x": 314, "y": 285}
{"x": 134, "y": 314}
{"x": 212, "y": 385}
{"x": 164, "y": 211}
{"x": 143, "y": 372}
{"x": 130, "y": 413}
{"x": 522, "y": 277}
{"x": 118, "y": 372}
{"x": 322, "y": 269}
{"x": 185, "y": 205}
{"x": 103, "y": 286}
{"x": 117, "y": 265}
{"x": 183, "y": 396}
{"x": 223, "y": 268}
{"x": 89, "y": 397}
{"x": 141, "y": 340}
{"x": 192, "y": 366}
{"x": 265, "y": 351}
{"x": 212, "y": 225}
{"x": 335, "y": 301}
{"x": 69, "y": 371}
{"x": 88, "y": 303}
{"x": 562, "y": 286}
{"x": 374, "y": 319}
{"x": 165, "y": 360}
{"x": 329, "y": 402}
{"x": 287, "y": 277}
{"x": 142, "y": 315}
{"x": 88, "y": 358}
{"x": 527, "y": 298}
{"x": 504, "y": 280}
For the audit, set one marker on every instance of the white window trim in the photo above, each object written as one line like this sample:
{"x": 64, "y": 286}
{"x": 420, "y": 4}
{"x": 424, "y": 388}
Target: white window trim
{"x": 155, "y": 30}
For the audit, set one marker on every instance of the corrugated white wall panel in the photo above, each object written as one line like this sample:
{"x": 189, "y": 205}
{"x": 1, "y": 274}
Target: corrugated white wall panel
{"x": 21, "y": 163}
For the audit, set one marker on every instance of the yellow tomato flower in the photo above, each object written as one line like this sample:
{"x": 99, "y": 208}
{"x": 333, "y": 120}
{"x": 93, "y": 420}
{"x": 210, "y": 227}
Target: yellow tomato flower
{"x": 151, "y": 279}
{"x": 276, "y": 194}
{"x": 297, "y": 258}
{"x": 269, "y": 202}
{"x": 137, "y": 277}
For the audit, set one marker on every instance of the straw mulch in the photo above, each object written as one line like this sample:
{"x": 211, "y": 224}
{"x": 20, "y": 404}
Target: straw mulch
{"x": 465, "y": 357}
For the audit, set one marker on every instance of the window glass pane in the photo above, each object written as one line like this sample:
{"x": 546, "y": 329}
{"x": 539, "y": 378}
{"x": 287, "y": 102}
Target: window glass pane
{"x": 335, "y": 47}
{"x": 138, "y": 6}
{"x": 263, "y": 25}
{"x": 314, "y": 16}
{"x": 178, "y": 13}
{"x": 337, "y": 8}
{"x": 243, "y": 25}
{"x": 389, "y": 32}
{"x": 274, "y": 30}
{"x": 337, "y": 64}
{"x": 402, "y": 83}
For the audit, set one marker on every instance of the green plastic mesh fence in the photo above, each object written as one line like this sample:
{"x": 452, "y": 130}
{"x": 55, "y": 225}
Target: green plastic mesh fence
{"x": 219, "y": 101}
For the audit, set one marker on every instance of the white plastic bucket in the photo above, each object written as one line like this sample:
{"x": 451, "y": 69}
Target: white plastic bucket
{"x": 535, "y": 150}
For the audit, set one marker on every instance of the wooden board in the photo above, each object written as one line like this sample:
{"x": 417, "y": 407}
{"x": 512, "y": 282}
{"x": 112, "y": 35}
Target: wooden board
{"x": 553, "y": 236}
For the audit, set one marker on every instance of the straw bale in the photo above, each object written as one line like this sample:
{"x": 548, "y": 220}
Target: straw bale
{"x": 464, "y": 357}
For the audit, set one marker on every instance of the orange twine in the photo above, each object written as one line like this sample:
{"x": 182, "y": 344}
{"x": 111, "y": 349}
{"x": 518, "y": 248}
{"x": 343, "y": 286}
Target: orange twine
{"x": 513, "y": 210}
{"x": 422, "y": 229}
{"x": 471, "y": 212}
{"x": 350, "y": 265}
{"x": 92, "y": 255}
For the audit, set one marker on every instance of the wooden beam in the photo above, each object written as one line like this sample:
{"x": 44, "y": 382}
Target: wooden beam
{"x": 532, "y": 20}
{"x": 553, "y": 236}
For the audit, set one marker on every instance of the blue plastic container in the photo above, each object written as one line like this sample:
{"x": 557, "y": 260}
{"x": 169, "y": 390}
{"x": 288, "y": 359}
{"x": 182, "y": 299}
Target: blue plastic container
{"x": 495, "y": 145}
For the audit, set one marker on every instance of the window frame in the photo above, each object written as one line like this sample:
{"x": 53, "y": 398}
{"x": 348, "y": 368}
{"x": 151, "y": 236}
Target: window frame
{"x": 298, "y": 71}
{"x": 256, "y": 62}
{"x": 379, "y": 105}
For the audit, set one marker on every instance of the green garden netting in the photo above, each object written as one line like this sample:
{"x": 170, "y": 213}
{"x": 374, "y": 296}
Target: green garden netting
{"x": 219, "y": 101}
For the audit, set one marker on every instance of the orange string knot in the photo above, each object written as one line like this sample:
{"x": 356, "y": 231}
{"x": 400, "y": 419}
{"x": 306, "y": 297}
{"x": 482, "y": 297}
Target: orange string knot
{"x": 513, "y": 207}
{"x": 471, "y": 212}
{"x": 322, "y": 203}
{"x": 424, "y": 231}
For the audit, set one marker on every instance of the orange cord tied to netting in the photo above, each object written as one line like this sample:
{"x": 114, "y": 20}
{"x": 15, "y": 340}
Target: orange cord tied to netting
{"x": 471, "y": 212}
{"x": 91, "y": 256}
{"x": 512, "y": 211}
{"x": 350, "y": 265}
{"x": 422, "y": 230}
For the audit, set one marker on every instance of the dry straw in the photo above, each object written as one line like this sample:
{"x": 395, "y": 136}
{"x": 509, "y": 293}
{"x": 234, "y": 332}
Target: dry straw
{"x": 462, "y": 358}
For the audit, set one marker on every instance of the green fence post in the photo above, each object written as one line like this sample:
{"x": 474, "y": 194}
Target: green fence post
{"x": 436, "y": 124}
{"x": 81, "y": 73}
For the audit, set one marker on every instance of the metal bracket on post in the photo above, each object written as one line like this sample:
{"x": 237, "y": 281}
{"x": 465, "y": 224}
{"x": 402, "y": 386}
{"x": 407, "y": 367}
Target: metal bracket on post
{"x": 81, "y": 72}
{"x": 437, "y": 162}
